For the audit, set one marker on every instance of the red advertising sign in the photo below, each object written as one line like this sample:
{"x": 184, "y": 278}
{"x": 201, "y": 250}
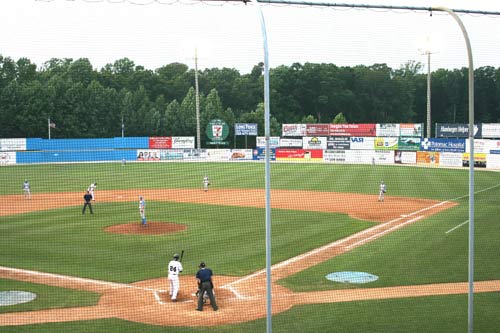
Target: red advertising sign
{"x": 353, "y": 130}
{"x": 283, "y": 153}
{"x": 317, "y": 129}
{"x": 157, "y": 142}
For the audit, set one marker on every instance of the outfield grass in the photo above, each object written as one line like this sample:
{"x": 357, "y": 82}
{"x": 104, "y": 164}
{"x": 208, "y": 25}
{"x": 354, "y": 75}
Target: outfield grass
{"x": 232, "y": 240}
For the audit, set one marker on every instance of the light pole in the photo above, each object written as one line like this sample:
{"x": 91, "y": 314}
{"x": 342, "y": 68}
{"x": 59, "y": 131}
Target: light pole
{"x": 197, "y": 90}
{"x": 427, "y": 51}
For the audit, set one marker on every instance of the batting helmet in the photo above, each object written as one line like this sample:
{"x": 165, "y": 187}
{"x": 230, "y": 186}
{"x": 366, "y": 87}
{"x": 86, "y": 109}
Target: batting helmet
{"x": 202, "y": 264}
{"x": 176, "y": 256}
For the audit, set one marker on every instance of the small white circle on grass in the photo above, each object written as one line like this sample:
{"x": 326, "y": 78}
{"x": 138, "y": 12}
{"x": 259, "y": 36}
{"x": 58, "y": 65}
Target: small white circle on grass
{"x": 13, "y": 297}
{"x": 351, "y": 277}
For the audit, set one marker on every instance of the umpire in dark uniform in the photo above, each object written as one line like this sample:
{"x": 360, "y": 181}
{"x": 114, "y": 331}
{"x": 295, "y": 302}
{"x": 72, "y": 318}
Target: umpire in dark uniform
{"x": 87, "y": 197}
{"x": 204, "y": 277}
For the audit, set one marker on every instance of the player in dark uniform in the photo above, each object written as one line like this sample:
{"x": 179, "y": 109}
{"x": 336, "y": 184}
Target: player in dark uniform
{"x": 88, "y": 198}
{"x": 204, "y": 277}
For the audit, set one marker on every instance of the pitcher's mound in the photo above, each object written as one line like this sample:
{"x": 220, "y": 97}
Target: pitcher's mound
{"x": 152, "y": 228}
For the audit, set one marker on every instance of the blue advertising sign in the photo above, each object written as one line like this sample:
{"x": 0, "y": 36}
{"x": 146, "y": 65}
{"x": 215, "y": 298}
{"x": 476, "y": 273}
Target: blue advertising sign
{"x": 445, "y": 130}
{"x": 443, "y": 145}
{"x": 259, "y": 154}
{"x": 245, "y": 129}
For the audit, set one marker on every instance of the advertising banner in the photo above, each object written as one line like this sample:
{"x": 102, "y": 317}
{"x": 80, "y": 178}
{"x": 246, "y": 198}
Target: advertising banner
{"x": 480, "y": 146}
{"x": 245, "y": 129}
{"x": 448, "y": 145}
{"x": 387, "y": 130}
{"x": 445, "y": 130}
{"x": 186, "y": 142}
{"x": 352, "y": 130}
{"x": 338, "y": 143}
{"x": 293, "y": 129}
{"x": 315, "y": 142}
{"x": 479, "y": 160}
{"x": 193, "y": 154}
{"x": 7, "y": 158}
{"x": 405, "y": 157}
{"x": 359, "y": 156}
{"x": 450, "y": 159}
{"x": 317, "y": 129}
{"x": 411, "y": 130}
{"x": 274, "y": 142}
{"x": 12, "y": 144}
{"x": 299, "y": 155}
{"x": 297, "y": 143}
{"x": 148, "y": 155}
{"x": 386, "y": 143}
{"x": 334, "y": 156}
{"x": 408, "y": 143}
{"x": 259, "y": 154}
{"x": 241, "y": 154}
{"x": 217, "y": 131}
{"x": 172, "y": 155}
{"x": 160, "y": 142}
{"x": 493, "y": 161}
{"x": 430, "y": 158}
{"x": 383, "y": 157}
{"x": 365, "y": 143}
{"x": 218, "y": 155}
{"x": 490, "y": 131}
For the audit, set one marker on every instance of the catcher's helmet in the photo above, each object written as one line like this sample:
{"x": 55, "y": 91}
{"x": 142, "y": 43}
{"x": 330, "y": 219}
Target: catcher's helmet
{"x": 176, "y": 256}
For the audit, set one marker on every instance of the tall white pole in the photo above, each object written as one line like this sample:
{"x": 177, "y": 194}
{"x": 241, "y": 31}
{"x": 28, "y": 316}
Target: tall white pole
{"x": 267, "y": 133}
{"x": 470, "y": 310}
{"x": 197, "y": 90}
{"x": 48, "y": 125}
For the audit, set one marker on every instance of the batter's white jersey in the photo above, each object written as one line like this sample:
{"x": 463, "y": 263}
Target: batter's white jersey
{"x": 174, "y": 268}
{"x": 91, "y": 189}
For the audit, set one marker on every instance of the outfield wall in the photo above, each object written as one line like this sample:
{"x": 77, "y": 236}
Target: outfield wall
{"x": 433, "y": 152}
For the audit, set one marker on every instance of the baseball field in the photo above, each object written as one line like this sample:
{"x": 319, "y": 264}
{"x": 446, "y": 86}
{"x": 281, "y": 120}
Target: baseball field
{"x": 102, "y": 272}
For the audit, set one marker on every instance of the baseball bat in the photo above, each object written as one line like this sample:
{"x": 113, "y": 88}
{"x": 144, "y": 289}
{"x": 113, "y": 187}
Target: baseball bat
{"x": 182, "y": 255}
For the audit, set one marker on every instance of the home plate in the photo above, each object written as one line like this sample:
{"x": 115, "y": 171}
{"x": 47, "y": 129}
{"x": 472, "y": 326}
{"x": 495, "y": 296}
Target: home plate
{"x": 404, "y": 215}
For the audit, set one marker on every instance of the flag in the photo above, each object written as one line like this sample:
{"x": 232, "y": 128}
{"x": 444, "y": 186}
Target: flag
{"x": 52, "y": 124}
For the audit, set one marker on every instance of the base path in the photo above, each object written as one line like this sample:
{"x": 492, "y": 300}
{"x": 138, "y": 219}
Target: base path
{"x": 240, "y": 299}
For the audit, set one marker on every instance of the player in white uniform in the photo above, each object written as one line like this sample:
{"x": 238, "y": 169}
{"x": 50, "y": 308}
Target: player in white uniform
{"x": 142, "y": 211}
{"x": 206, "y": 183}
{"x": 91, "y": 190}
{"x": 27, "y": 189}
{"x": 382, "y": 191}
{"x": 174, "y": 268}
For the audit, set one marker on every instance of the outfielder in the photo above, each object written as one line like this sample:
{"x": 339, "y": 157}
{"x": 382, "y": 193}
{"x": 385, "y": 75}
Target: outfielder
{"x": 142, "y": 211}
{"x": 174, "y": 268}
{"x": 91, "y": 190}
{"x": 206, "y": 183}
{"x": 27, "y": 189}
{"x": 382, "y": 191}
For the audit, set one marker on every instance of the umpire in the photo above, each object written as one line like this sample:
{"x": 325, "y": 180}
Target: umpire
{"x": 204, "y": 277}
{"x": 87, "y": 197}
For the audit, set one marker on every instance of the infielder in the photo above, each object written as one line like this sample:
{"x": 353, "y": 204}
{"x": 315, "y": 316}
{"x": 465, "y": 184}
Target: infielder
{"x": 382, "y": 191}
{"x": 142, "y": 211}
{"x": 206, "y": 183}
{"x": 174, "y": 268}
{"x": 91, "y": 190}
{"x": 27, "y": 189}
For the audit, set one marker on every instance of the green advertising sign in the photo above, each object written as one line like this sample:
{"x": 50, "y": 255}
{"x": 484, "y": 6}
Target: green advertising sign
{"x": 409, "y": 143}
{"x": 217, "y": 131}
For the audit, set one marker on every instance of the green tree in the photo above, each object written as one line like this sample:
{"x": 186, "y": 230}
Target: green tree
{"x": 339, "y": 119}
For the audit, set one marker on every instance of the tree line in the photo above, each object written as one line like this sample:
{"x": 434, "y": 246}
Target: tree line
{"x": 84, "y": 102}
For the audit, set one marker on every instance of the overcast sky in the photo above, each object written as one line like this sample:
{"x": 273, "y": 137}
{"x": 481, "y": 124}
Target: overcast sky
{"x": 229, "y": 35}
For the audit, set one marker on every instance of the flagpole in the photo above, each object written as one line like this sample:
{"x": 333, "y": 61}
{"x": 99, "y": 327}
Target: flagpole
{"x": 48, "y": 124}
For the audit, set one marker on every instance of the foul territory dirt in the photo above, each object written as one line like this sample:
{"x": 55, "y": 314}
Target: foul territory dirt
{"x": 240, "y": 299}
